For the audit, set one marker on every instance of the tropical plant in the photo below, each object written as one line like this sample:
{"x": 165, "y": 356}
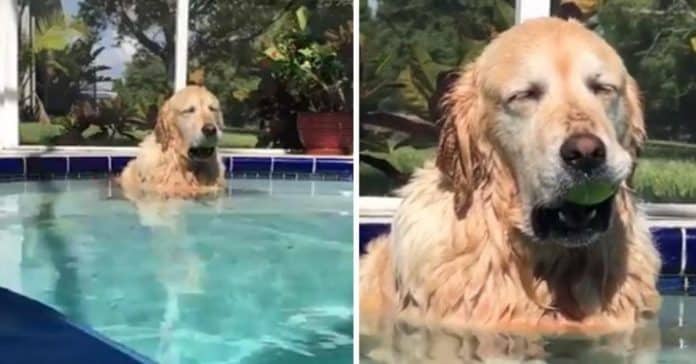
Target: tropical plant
{"x": 52, "y": 33}
{"x": 69, "y": 74}
{"x": 407, "y": 56}
{"x": 309, "y": 66}
{"x": 657, "y": 41}
{"x": 143, "y": 86}
{"x": 226, "y": 40}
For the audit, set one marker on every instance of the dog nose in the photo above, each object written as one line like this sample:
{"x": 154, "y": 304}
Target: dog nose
{"x": 209, "y": 130}
{"x": 583, "y": 152}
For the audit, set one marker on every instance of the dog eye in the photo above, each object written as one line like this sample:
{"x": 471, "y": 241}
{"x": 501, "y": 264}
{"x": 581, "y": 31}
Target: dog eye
{"x": 530, "y": 94}
{"x": 213, "y": 108}
{"x": 189, "y": 110}
{"x": 599, "y": 88}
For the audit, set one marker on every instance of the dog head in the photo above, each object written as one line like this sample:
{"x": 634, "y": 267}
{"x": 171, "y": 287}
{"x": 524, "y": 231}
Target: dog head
{"x": 190, "y": 122}
{"x": 552, "y": 104}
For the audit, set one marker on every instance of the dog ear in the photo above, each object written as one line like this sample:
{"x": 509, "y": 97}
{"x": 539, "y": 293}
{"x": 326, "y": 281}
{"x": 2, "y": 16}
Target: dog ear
{"x": 635, "y": 134}
{"x": 459, "y": 155}
{"x": 163, "y": 126}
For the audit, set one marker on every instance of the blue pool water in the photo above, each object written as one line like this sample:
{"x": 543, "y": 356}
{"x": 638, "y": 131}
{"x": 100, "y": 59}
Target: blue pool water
{"x": 263, "y": 275}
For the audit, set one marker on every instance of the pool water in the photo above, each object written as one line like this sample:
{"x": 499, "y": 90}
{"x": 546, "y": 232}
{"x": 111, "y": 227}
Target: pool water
{"x": 263, "y": 275}
{"x": 670, "y": 340}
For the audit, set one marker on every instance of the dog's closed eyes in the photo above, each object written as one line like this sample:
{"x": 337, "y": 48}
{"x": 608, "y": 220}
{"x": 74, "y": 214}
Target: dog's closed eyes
{"x": 191, "y": 122}
{"x": 180, "y": 158}
{"x": 555, "y": 115}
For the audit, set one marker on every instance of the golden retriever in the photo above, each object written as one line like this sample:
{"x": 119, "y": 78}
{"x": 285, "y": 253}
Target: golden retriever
{"x": 483, "y": 238}
{"x": 180, "y": 159}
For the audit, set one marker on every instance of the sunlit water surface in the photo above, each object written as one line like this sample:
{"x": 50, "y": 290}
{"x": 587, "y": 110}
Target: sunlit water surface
{"x": 261, "y": 276}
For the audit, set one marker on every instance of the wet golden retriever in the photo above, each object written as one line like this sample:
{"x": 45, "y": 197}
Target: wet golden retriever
{"x": 483, "y": 238}
{"x": 180, "y": 159}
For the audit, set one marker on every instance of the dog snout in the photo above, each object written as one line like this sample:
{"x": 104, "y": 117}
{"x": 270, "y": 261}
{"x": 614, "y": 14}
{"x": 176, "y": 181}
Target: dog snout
{"x": 583, "y": 152}
{"x": 209, "y": 130}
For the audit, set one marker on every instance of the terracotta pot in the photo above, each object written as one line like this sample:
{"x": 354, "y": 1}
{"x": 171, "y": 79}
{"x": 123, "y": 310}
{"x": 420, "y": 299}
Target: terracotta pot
{"x": 326, "y": 132}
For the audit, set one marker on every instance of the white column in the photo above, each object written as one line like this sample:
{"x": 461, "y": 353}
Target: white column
{"x": 181, "y": 46}
{"x": 9, "y": 91}
{"x": 529, "y": 9}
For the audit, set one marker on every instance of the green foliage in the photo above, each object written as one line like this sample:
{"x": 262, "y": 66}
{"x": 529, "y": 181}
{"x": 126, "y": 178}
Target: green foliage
{"x": 405, "y": 47}
{"x": 226, "y": 41}
{"x": 144, "y": 84}
{"x": 34, "y": 133}
{"x": 308, "y": 66}
{"x": 666, "y": 180}
{"x": 56, "y": 32}
{"x": 63, "y": 74}
{"x": 54, "y": 35}
{"x": 654, "y": 39}
{"x": 405, "y": 50}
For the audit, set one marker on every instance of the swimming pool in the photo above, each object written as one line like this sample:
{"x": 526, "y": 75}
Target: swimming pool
{"x": 262, "y": 275}
{"x": 670, "y": 340}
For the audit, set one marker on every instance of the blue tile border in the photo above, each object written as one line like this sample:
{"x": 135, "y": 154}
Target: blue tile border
{"x": 117, "y": 164}
{"x": 251, "y": 164}
{"x": 690, "y": 253}
{"x": 46, "y": 166}
{"x": 671, "y": 284}
{"x": 293, "y": 165}
{"x": 678, "y": 274}
{"x": 12, "y": 166}
{"x": 286, "y": 166}
{"x": 88, "y": 164}
{"x": 669, "y": 243}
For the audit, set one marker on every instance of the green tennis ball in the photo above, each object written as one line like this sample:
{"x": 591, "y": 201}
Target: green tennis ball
{"x": 591, "y": 193}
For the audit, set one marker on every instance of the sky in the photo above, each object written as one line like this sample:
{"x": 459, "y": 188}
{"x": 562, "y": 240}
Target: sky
{"x": 373, "y": 5}
{"x": 114, "y": 55}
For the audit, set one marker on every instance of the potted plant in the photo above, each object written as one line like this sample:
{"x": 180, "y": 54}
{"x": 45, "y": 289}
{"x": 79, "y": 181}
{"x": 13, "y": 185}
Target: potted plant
{"x": 314, "y": 71}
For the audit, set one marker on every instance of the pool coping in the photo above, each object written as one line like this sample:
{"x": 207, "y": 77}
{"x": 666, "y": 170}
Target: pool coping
{"x": 256, "y": 163}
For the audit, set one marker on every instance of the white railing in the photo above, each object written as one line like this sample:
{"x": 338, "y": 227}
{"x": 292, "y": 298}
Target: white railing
{"x": 9, "y": 91}
{"x": 529, "y": 9}
{"x": 181, "y": 44}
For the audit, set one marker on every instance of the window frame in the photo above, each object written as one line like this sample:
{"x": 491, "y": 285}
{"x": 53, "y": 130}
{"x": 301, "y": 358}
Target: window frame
{"x": 529, "y": 9}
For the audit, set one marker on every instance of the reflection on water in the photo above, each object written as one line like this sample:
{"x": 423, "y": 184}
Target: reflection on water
{"x": 670, "y": 340}
{"x": 253, "y": 278}
{"x": 67, "y": 287}
{"x": 178, "y": 266}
